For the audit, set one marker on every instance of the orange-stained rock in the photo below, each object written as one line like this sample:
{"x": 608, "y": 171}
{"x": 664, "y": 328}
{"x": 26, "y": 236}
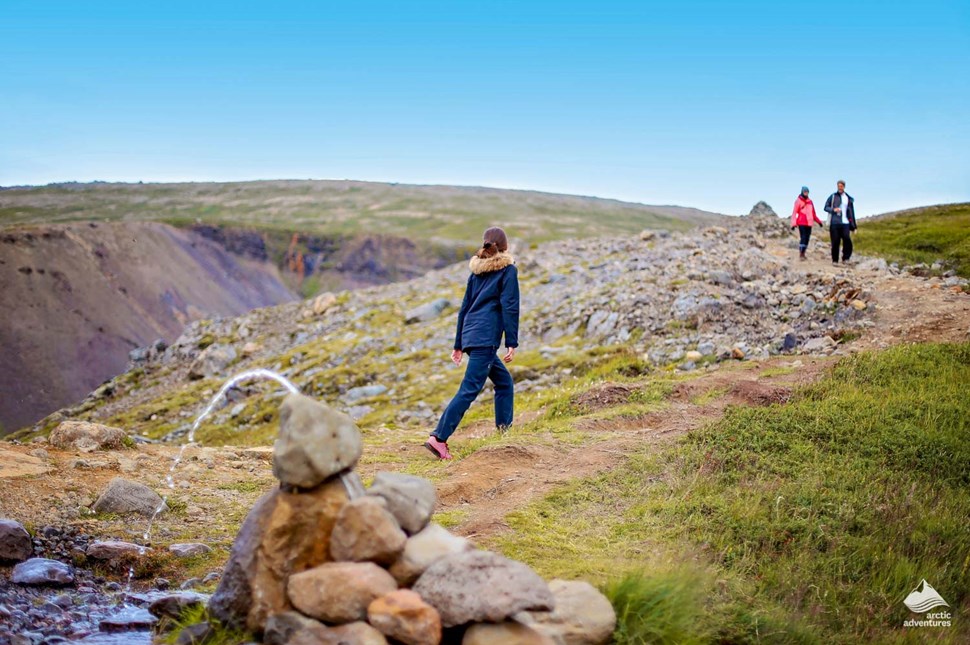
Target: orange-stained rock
{"x": 403, "y": 616}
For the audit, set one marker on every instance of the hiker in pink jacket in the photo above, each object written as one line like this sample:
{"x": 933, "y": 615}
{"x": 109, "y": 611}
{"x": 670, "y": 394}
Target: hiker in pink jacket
{"x": 802, "y": 216}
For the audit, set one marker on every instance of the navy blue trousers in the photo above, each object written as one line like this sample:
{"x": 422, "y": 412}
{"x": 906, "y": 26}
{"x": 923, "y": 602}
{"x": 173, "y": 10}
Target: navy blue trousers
{"x": 483, "y": 363}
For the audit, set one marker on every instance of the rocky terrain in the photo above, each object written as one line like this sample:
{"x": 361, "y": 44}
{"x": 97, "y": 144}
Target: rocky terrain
{"x": 627, "y": 341}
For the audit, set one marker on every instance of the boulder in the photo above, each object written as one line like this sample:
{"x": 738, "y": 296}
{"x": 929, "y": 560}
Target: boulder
{"x": 424, "y": 548}
{"x": 339, "y": 592}
{"x": 366, "y": 531}
{"x": 404, "y": 617}
{"x": 15, "y": 542}
{"x": 86, "y": 437}
{"x": 583, "y": 616}
{"x": 189, "y": 549}
{"x": 125, "y": 496}
{"x": 427, "y": 312}
{"x": 286, "y": 532}
{"x": 507, "y": 633}
{"x": 315, "y": 442}
{"x": 213, "y": 361}
{"x": 41, "y": 571}
{"x": 476, "y": 586}
{"x": 410, "y": 499}
{"x": 819, "y": 344}
{"x": 111, "y": 550}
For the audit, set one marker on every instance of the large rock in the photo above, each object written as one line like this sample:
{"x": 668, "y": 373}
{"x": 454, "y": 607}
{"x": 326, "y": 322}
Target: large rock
{"x": 285, "y": 533}
{"x": 315, "y": 442}
{"x": 322, "y": 303}
{"x": 427, "y": 312}
{"x": 339, "y": 592}
{"x": 480, "y": 586}
{"x": 281, "y": 626}
{"x": 403, "y": 616}
{"x": 366, "y": 531}
{"x": 129, "y": 619}
{"x": 410, "y": 499}
{"x": 41, "y": 571}
{"x": 86, "y": 437}
{"x": 423, "y": 549}
{"x": 15, "y": 542}
{"x": 507, "y": 633}
{"x": 583, "y": 616}
{"x": 125, "y": 496}
{"x": 213, "y": 361}
{"x": 112, "y": 550}
{"x": 173, "y": 605}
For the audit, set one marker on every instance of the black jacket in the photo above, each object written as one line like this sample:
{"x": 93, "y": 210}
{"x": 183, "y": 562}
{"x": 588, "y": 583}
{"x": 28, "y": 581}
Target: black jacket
{"x": 491, "y": 304}
{"x": 835, "y": 201}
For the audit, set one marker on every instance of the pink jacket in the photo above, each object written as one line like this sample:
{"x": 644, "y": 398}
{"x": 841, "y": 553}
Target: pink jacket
{"x": 804, "y": 212}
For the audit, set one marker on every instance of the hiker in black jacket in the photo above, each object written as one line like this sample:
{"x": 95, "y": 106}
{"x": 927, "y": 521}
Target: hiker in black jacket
{"x": 841, "y": 209}
{"x": 489, "y": 310}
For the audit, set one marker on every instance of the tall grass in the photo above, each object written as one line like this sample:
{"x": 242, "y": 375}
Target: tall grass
{"x": 813, "y": 520}
{"x": 923, "y": 235}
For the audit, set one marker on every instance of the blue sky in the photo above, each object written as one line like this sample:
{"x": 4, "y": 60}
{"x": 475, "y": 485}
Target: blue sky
{"x": 710, "y": 104}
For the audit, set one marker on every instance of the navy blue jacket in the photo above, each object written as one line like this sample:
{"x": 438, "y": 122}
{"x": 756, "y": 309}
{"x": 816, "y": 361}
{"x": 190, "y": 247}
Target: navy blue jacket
{"x": 491, "y": 304}
{"x": 835, "y": 201}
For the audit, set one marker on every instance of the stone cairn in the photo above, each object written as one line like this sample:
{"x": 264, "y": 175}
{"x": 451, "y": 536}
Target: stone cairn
{"x": 321, "y": 559}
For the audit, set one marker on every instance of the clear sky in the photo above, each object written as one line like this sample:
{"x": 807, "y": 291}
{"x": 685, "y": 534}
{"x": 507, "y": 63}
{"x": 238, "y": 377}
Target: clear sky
{"x": 711, "y": 104}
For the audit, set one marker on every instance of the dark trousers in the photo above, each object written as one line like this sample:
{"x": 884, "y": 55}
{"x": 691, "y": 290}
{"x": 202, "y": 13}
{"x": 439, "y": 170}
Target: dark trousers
{"x": 804, "y": 235}
{"x": 483, "y": 363}
{"x": 840, "y": 234}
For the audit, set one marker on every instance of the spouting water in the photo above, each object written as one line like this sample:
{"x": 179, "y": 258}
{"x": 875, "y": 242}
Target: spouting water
{"x": 170, "y": 477}
{"x": 351, "y": 484}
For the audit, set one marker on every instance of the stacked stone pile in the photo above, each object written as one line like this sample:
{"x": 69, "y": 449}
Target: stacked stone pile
{"x": 324, "y": 560}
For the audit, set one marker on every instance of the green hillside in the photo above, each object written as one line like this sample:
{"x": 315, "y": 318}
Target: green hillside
{"x": 920, "y": 235}
{"x": 346, "y": 207}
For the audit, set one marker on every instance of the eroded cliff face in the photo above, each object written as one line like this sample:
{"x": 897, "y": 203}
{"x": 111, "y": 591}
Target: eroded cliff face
{"x": 77, "y": 298}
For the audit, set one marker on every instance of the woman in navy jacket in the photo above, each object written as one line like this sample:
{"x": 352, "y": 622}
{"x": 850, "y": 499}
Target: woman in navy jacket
{"x": 489, "y": 310}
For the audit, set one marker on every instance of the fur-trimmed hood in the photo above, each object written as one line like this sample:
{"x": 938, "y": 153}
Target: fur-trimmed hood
{"x": 497, "y": 262}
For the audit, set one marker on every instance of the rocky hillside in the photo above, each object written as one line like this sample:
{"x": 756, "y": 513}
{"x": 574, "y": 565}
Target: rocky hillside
{"x": 77, "y": 298}
{"x": 683, "y": 301}
{"x": 442, "y": 213}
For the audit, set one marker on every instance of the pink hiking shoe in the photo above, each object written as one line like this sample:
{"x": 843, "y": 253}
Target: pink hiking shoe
{"x": 438, "y": 448}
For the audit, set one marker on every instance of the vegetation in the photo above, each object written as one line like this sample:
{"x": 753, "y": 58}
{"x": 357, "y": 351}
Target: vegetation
{"x": 921, "y": 235}
{"x": 344, "y": 207}
{"x": 804, "y": 522}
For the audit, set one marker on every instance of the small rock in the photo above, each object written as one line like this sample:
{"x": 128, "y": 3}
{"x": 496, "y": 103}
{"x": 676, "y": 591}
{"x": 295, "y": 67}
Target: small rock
{"x": 315, "y": 442}
{"x": 477, "y": 586}
{"x": 281, "y": 626}
{"x": 125, "y": 496}
{"x": 128, "y": 620}
{"x": 41, "y": 571}
{"x": 507, "y": 633}
{"x": 174, "y": 605}
{"x": 789, "y": 342}
{"x": 647, "y": 235}
{"x": 410, "y": 499}
{"x": 693, "y": 356}
{"x": 15, "y": 542}
{"x": 190, "y": 549}
{"x": 197, "y": 634}
{"x": 403, "y": 616}
{"x": 819, "y": 344}
{"x": 737, "y": 353}
{"x": 339, "y": 592}
{"x": 858, "y": 305}
{"x": 427, "y": 312}
{"x": 251, "y": 348}
{"x": 366, "y": 531}
{"x": 364, "y": 392}
{"x": 213, "y": 361}
{"x": 424, "y": 548}
{"x": 86, "y": 436}
{"x": 322, "y": 303}
{"x": 109, "y": 550}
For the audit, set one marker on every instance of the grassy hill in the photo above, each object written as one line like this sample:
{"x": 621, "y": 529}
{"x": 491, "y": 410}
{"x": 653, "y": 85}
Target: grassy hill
{"x": 346, "y": 207}
{"x": 920, "y": 235}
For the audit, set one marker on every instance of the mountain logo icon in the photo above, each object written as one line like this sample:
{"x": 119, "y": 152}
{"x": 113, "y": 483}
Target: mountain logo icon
{"x": 923, "y": 598}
